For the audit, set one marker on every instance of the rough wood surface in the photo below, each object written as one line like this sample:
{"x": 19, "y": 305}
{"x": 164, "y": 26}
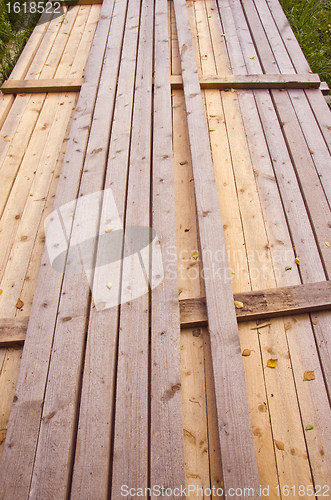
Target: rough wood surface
{"x": 166, "y": 434}
{"x": 35, "y": 86}
{"x": 261, "y": 304}
{"x": 263, "y": 81}
{"x": 238, "y": 457}
{"x": 131, "y": 433}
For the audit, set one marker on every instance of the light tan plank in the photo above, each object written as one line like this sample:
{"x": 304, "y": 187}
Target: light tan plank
{"x": 166, "y": 434}
{"x": 263, "y": 81}
{"x": 13, "y": 330}
{"x": 261, "y": 304}
{"x": 93, "y": 458}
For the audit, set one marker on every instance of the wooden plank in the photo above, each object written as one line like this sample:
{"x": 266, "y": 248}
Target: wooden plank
{"x": 261, "y": 304}
{"x": 13, "y": 330}
{"x": 263, "y": 81}
{"x": 131, "y": 434}
{"x": 239, "y": 464}
{"x": 166, "y": 433}
{"x": 310, "y": 183}
{"x": 19, "y": 451}
{"x": 35, "y": 86}
{"x": 93, "y": 461}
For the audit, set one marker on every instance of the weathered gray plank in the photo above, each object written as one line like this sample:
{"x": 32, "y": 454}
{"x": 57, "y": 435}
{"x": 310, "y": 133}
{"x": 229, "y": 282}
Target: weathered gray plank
{"x": 263, "y": 81}
{"x": 131, "y": 441}
{"x": 261, "y": 304}
{"x": 166, "y": 433}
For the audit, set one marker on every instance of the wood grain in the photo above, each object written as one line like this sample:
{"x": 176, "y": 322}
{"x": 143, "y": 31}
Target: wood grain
{"x": 239, "y": 464}
{"x": 35, "y": 86}
{"x": 263, "y": 81}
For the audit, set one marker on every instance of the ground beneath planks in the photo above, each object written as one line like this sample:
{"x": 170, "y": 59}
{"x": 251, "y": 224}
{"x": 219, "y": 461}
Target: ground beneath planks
{"x": 266, "y": 222}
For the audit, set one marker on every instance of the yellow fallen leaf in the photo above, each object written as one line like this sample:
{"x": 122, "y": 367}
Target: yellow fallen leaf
{"x": 309, "y": 375}
{"x": 272, "y": 363}
{"x": 238, "y": 304}
{"x": 246, "y": 352}
{"x": 279, "y": 445}
{"x": 309, "y": 427}
{"x": 7, "y": 139}
{"x": 195, "y": 255}
{"x": 315, "y": 322}
{"x": 297, "y": 261}
{"x": 253, "y": 57}
{"x": 327, "y": 243}
{"x": 1, "y": 292}
{"x": 109, "y": 229}
{"x": 109, "y": 285}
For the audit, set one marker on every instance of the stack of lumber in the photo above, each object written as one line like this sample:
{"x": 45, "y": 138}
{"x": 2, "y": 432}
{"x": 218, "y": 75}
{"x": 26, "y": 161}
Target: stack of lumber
{"x": 203, "y": 120}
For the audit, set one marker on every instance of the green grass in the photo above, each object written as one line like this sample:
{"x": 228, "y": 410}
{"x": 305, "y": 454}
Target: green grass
{"x": 311, "y": 23}
{"x": 15, "y": 30}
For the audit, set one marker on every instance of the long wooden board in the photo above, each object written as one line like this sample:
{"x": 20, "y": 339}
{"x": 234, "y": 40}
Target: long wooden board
{"x": 131, "y": 434}
{"x": 262, "y": 304}
{"x": 35, "y": 86}
{"x": 19, "y": 451}
{"x": 238, "y": 457}
{"x": 257, "y": 305}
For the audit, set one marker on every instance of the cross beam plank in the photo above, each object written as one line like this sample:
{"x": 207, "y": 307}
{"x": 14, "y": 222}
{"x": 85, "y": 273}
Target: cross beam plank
{"x": 261, "y": 304}
{"x": 306, "y": 81}
{"x": 34, "y": 86}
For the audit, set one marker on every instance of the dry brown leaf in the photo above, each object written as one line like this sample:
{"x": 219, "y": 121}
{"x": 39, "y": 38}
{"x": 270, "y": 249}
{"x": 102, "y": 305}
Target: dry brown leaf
{"x": 315, "y": 322}
{"x": 279, "y": 445}
{"x": 309, "y": 375}
{"x": 272, "y": 363}
{"x": 238, "y": 304}
{"x": 19, "y": 304}
{"x": 246, "y": 352}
